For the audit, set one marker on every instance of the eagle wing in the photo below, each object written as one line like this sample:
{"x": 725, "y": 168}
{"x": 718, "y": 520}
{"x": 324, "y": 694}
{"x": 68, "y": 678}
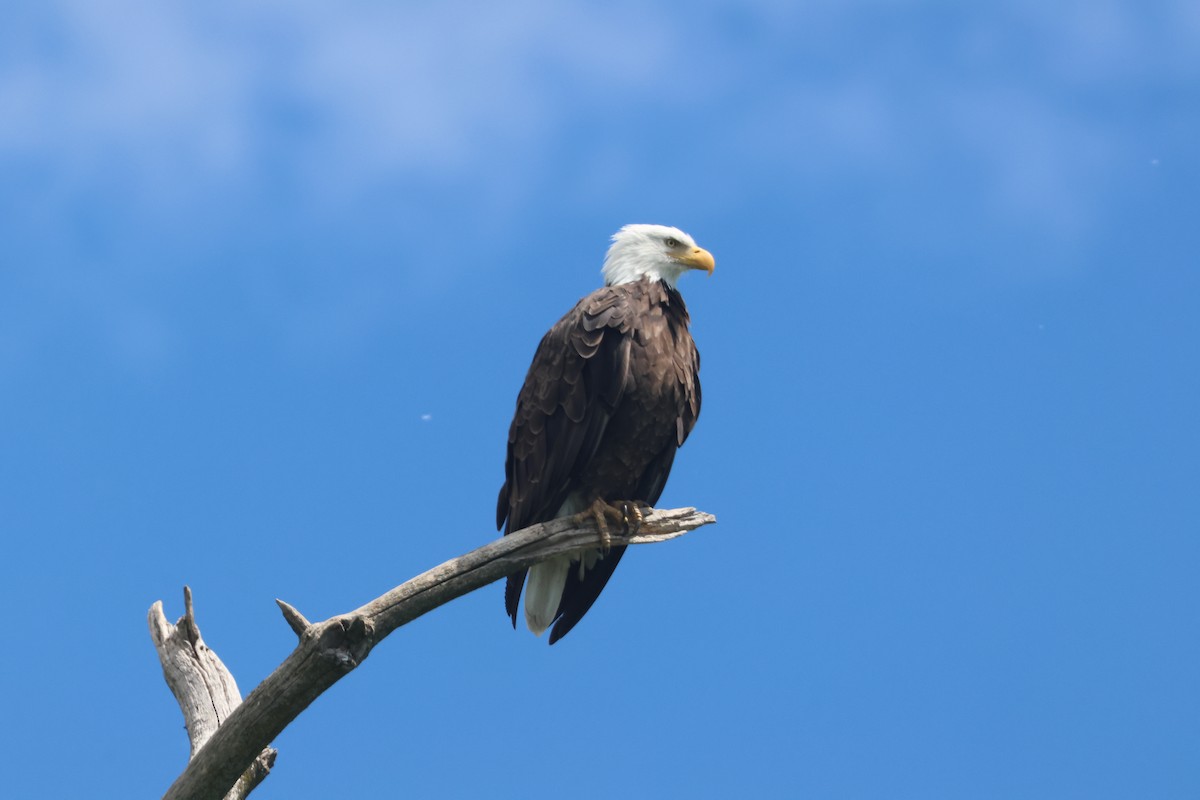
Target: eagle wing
{"x": 578, "y": 376}
{"x": 579, "y": 595}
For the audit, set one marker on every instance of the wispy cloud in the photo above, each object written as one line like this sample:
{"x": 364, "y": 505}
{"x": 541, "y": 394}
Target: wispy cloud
{"x": 131, "y": 123}
{"x": 140, "y": 134}
{"x": 209, "y": 92}
{"x": 180, "y": 98}
{"x": 1035, "y": 107}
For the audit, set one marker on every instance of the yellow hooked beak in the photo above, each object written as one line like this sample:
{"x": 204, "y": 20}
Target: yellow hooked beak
{"x": 698, "y": 258}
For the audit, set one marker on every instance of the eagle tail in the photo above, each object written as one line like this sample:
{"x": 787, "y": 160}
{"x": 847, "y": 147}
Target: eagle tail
{"x": 544, "y": 592}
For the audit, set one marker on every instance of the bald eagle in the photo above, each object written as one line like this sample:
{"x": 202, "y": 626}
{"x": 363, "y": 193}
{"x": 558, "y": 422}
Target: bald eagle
{"x": 612, "y": 392}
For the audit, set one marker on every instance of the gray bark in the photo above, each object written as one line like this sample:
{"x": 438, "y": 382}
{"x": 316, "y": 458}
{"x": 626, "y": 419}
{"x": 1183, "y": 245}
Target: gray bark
{"x": 331, "y": 649}
{"x": 205, "y": 690}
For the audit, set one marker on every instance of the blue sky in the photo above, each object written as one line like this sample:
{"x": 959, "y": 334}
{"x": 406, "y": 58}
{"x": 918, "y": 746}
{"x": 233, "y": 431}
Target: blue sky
{"x": 271, "y": 276}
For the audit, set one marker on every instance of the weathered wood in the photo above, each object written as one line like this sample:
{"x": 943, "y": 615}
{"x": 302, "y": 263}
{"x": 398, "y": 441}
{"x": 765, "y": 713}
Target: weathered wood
{"x": 294, "y": 618}
{"x": 204, "y": 688}
{"x": 329, "y": 650}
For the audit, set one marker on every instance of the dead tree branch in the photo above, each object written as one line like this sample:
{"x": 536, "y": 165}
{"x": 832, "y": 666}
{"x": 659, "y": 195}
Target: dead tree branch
{"x": 205, "y": 690}
{"x": 329, "y": 650}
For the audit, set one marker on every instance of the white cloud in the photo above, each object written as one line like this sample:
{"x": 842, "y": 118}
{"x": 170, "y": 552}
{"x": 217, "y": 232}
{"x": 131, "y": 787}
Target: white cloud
{"x": 173, "y": 115}
{"x": 205, "y": 92}
{"x": 137, "y": 82}
{"x": 1039, "y": 135}
{"x": 147, "y": 119}
{"x": 181, "y": 97}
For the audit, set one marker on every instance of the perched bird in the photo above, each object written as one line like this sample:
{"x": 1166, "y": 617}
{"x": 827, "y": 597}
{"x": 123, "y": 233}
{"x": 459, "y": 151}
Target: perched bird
{"x": 612, "y": 392}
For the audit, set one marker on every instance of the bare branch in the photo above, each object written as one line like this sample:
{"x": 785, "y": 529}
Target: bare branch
{"x": 329, "y": 650}
{"x": 294, "y": 618}
{"x": 205, "y": 690}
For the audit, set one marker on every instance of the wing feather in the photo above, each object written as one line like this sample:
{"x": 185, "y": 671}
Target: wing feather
{"x": 578, "y": 596}
{"x": 578, "y": 376}
{"x": 575, "y": 382}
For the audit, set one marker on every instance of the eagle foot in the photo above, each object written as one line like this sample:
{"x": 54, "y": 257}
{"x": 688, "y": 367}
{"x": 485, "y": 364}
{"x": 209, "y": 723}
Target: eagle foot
{"x": 625, "y": 514}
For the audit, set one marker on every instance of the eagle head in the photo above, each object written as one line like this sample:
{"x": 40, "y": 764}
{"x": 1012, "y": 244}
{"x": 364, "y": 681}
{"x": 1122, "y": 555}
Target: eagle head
{"x": 658, "y": 252}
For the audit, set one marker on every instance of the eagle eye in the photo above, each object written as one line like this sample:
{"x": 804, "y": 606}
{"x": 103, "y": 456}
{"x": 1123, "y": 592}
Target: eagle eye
{"x": 672, "y": 241}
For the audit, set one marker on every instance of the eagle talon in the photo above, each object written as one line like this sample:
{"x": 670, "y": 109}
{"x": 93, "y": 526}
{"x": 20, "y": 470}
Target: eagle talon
{"x": 599, "y": 511}
{"x": 633, "y": 518}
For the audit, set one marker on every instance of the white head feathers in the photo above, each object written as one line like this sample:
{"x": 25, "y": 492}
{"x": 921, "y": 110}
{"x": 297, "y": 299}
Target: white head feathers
{"x": 658, "y": 252}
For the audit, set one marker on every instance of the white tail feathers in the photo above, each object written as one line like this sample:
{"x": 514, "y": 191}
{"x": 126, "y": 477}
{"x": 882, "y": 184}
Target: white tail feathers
{"x": 544, "y": 591}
